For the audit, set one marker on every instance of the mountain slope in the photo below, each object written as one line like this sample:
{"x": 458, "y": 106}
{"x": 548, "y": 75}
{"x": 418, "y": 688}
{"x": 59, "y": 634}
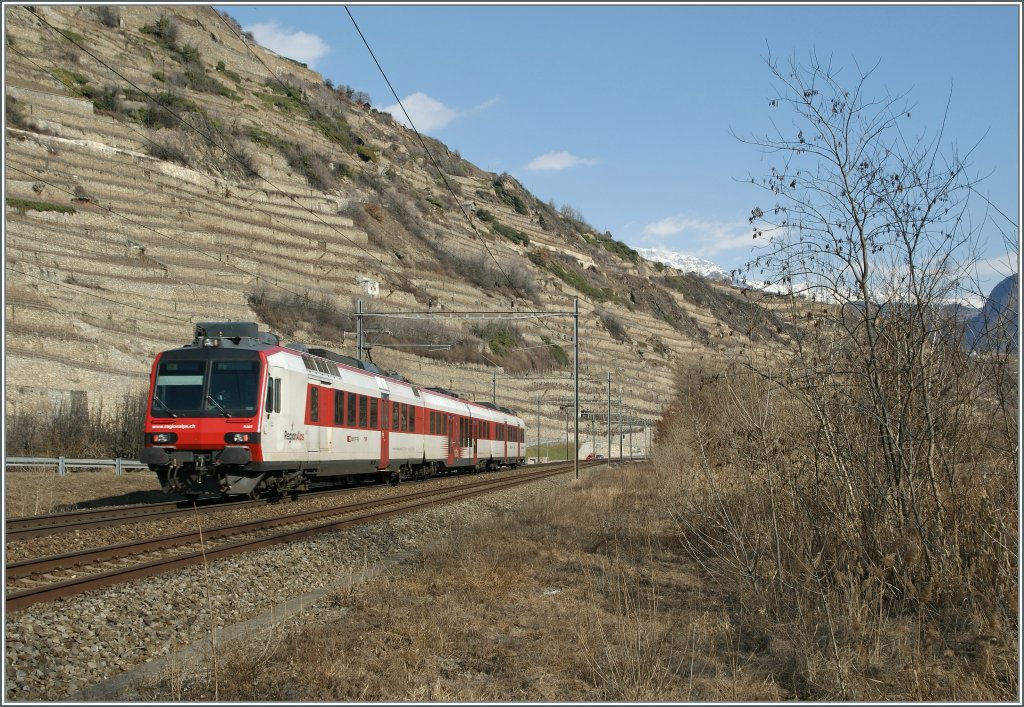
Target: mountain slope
{"x": 162, "y": 169}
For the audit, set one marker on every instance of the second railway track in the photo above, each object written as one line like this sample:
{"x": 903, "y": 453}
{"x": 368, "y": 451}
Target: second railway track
{"x": 50, "y": 578}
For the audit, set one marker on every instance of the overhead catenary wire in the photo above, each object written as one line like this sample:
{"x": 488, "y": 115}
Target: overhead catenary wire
{"x": 423, "y": 144}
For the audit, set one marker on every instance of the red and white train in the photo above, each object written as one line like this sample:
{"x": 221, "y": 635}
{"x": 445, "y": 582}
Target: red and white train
{"x": 236, "y": 413}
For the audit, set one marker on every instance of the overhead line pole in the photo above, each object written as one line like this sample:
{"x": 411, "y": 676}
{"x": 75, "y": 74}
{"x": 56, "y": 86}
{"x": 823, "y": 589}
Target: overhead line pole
{"x": 620, "y": 421}
{"x": 609, "y": 415}
{"x": 576, "y": 381}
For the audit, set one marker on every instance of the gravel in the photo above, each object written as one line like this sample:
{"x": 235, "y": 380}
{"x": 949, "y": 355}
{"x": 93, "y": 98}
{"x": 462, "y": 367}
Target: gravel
{"x": 55, "y": 651}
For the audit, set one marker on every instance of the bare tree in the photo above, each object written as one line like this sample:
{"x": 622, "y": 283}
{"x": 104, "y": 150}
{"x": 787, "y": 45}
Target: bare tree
{"x": 869, "y": 451}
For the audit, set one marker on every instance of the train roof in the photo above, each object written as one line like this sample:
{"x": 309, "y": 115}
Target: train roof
{"x": 246, "y": 335}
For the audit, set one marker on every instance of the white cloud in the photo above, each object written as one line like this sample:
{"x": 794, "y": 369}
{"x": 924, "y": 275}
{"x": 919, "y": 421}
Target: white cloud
{"x": 426, "y": 112}
{"x": 557, "y": 161}
{"x": 301, "y": 46}
{"x": 701, "y": 237}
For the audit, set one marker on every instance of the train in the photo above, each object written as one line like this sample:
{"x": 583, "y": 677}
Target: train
{"x": 236, "y": 413}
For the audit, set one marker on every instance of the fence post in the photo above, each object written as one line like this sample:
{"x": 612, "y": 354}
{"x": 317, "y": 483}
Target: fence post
{"x": 61, "y": 469}
{"x": 118, "y": 470}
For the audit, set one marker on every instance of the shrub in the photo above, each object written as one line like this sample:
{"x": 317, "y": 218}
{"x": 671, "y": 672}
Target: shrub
{"x": 171, "y": 146}
{"x": 72, "y": 429}
{"x": 613, "y": 325}
{"x": 24, "y": 205}
{"x": 317, "y": 313}
{"x": 165, "y": 29}
{"x": 316, "y": 168}
{"x": 509, "y": 197}
{"x": 499, "y": 336}
{"x": 71, "y": 79}
{"x": 484, "y": 215}
{"x": 106, "y": 99}
{"x": 367, "y": 153}
{"x": 512, "y": 234}
{"x": 15, "y": 115}
{"x": 557, "y": 352}
{"x": 109, "y": 15}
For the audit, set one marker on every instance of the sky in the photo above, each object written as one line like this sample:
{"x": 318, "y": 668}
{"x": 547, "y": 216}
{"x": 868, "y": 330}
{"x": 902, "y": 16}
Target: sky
{"x": 631, "y": 113}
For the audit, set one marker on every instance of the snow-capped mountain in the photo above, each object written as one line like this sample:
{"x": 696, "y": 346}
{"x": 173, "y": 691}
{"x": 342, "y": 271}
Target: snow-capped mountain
{"x": 684, "y": 263}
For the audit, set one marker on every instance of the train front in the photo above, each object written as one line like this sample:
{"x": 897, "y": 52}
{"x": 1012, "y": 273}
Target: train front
{"x": 202, "y": 423}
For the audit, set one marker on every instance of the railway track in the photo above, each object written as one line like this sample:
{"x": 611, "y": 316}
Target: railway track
{"x": 51, "y": 578}
{"x": 35, "y": 526}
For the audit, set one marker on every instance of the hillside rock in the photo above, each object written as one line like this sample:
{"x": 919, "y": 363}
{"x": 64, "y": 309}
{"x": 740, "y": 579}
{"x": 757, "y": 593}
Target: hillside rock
{"x": 163, "y": 169}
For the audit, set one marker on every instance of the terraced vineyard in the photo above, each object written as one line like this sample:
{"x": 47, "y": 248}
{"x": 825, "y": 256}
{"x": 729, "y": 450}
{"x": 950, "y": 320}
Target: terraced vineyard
{"x": 112, "y": 253}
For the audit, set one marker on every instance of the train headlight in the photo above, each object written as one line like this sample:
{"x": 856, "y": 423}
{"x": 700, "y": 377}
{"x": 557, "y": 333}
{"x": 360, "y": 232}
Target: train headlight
{"x": 242, "y": 437}
{"x": 162, "y": 438}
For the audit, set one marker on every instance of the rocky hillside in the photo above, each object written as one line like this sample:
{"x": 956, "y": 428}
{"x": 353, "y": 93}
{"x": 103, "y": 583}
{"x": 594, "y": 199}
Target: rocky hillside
{"x": 163, "y": 169}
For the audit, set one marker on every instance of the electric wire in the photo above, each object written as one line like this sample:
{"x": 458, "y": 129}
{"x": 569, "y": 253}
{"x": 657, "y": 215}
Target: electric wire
{"x": 444, "y": 178}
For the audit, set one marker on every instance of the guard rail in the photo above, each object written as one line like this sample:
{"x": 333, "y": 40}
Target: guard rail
{"x": 63, "y": 464}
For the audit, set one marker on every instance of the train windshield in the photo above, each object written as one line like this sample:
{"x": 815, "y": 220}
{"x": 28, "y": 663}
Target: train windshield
{"x": 206, "y": 384}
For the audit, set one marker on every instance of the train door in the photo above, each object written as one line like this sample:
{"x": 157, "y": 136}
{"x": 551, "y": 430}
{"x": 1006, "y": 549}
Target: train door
{"x": 270, "y": 439}
{"x": 385, "y": 423}
{"x": 313, "y": 419}
{"x": 474, "y": 426}
{"x": 453, "y": 440}
{"x": 385, "y": 435}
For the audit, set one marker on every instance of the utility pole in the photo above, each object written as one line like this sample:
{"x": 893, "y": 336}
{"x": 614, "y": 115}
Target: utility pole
{"x": 576, "y": 381}
{"x": 494, "y": 387}
{"x": 620, "y": 421}
{"x": 359, "y": 329}
{"x": 609, "y": 415}
{"x": 538, "y": 430}
{"x": 565, "y": 411}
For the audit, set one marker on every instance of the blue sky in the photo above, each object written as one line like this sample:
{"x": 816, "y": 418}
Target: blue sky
{"x": 625, "y": 111}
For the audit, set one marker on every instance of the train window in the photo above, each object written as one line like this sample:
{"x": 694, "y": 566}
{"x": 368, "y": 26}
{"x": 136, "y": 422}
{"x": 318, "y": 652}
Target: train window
{"x": 412, "y": 418}
{"x": 339, "y": 407}
{"x": 234, "y": 386}
{"x": 270, "y": 395}
{"x": 405, "y": 417}
{"x": 373, "y": 413}
{"x": 277, "y": 395}
{"x": 362, "y": 411}
{"x": 396, "y": 414}
{"x": 350, "y": 410}
{"x": 314, "y": 404}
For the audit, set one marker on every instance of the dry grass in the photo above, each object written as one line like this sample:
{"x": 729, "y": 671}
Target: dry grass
{"x": 843, "y": 602}
{"x": 36, "y": 492}
{"x": 532, "y": 605}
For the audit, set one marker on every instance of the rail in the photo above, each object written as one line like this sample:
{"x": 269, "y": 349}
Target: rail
{"x": 63, "y": 464}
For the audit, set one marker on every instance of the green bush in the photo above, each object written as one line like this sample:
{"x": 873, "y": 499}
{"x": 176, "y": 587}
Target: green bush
{"x": 501, "y": 337}
{"x": 367, "y": 153}
{"x": 484, "y": 215}
{"x": 511, "y": 233}
{"x": 70, "y": 78}
{"x": 557, "y": 352}
{"x": 23, "y": 205}
{"x": 106, "y": 99}
{"x": 165, "y": 29}
{"x": 509, "y": 198}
